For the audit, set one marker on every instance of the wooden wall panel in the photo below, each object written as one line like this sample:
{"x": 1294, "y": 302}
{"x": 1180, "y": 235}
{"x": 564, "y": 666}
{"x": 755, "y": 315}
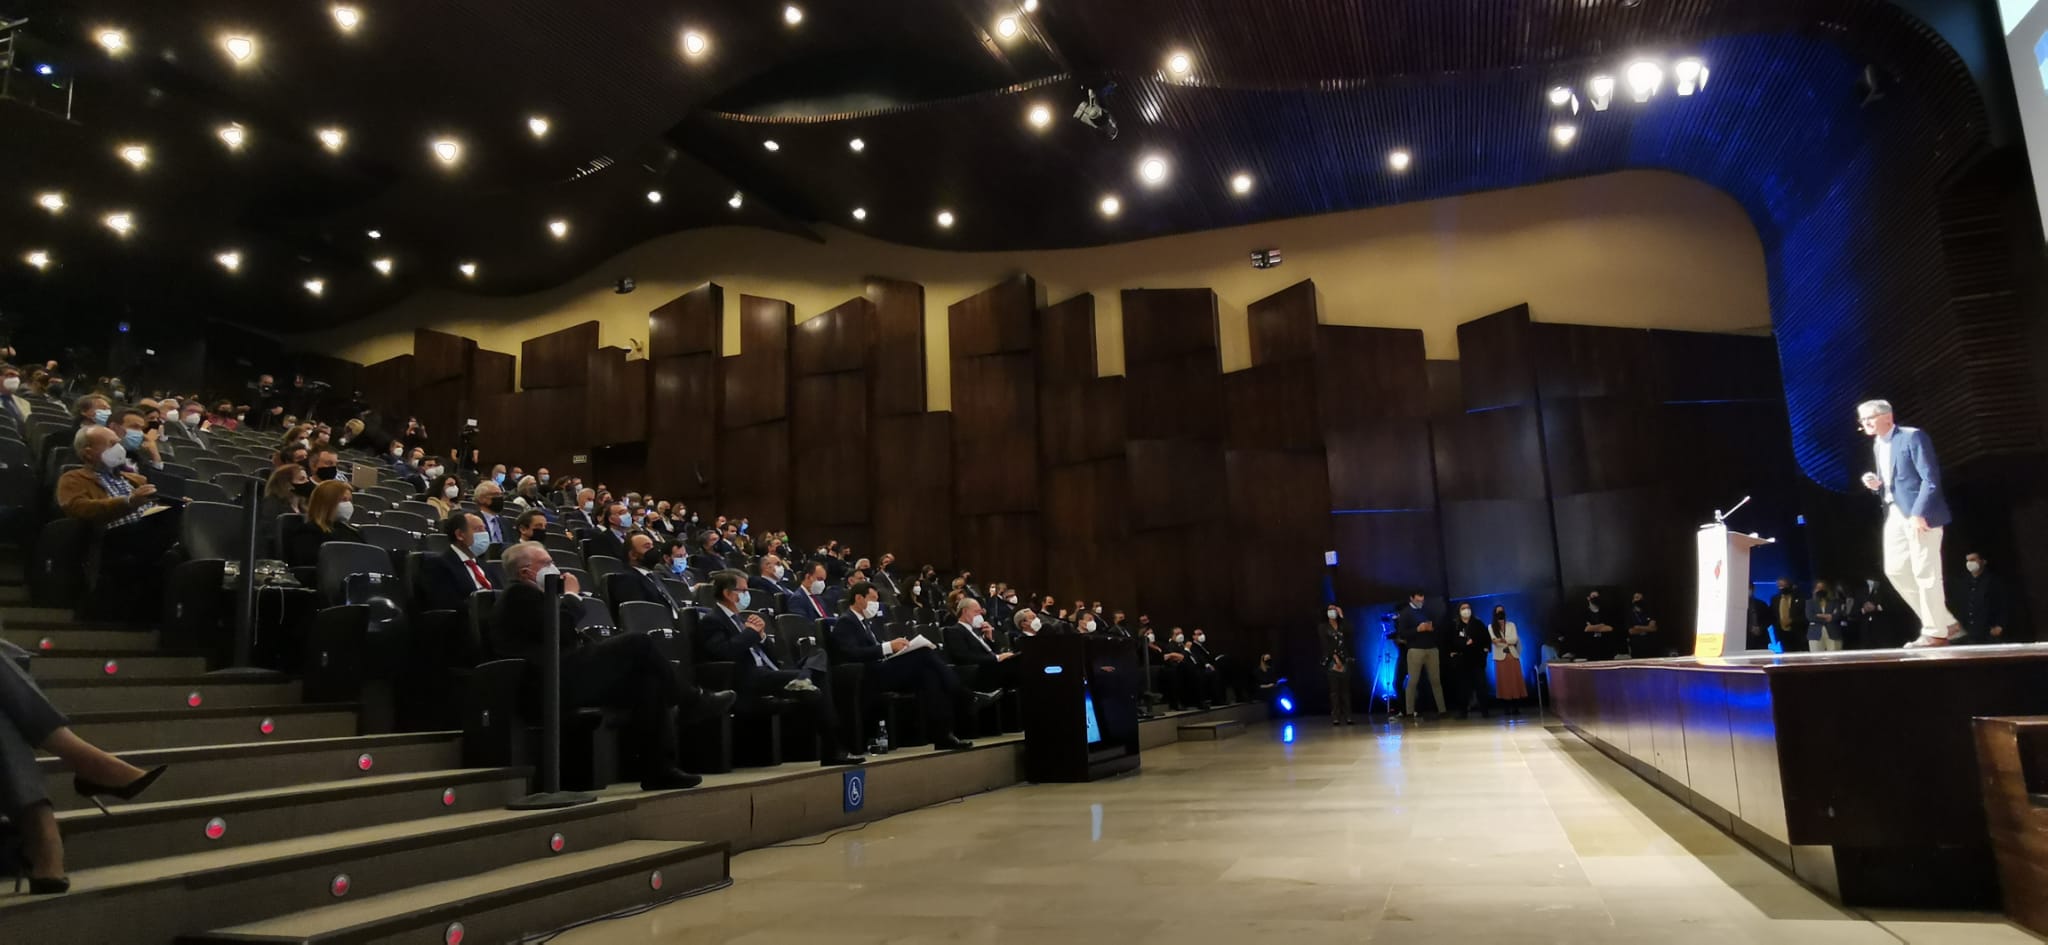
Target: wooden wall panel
{"x": 691, "y": 323}
{"x": 1594, "y": 444}
{"x": 995, "y": 460}
{"x": 557, "y": 359}
{"x": 913, "y": 486}
{"x": 1384, "y": 556}
{"x": 616, "y": 410}
{"x": 1277, "y": 496}
{"x": 829, "y": 451}
{"x": 1495, "y": 546}
{"x": 1066, "y": 341}
{"x": 1175, "y": 397}
{"x": 536, "y": 428}
{"x": 1081, "y": 422}
{"x": 841, "y": 338}
{"x": 1495, "y": 356}
{"x": 1175, "y": 483}
{"x": 1179, "y": 578}
{"x": 387, "y": 388}
{"x": 1283, "y": 325}
{"x": 1271, "y": 406}
{"x": 1367, "y": 374}
{"x": 682, "y": 442}
{"x": 1590, "y": 361}
{"x": 1495, "y": 454}
{"x": 1003, "y": 547}
{"x": 756, "y": 380}
{"x": 1165, "y": 324}
{"x": 754, "y": 473}
{"x": 1087, "y": 537}
{"x": 440, "y": 405}
{"x": 897, "y": 382}
{"x": 492, "y": 372}
{"x": 439, "y": 356}
{"x": 1388, "y": 466}
{"x": 1000, "y": 320}
{"x": 1700, "y": 366}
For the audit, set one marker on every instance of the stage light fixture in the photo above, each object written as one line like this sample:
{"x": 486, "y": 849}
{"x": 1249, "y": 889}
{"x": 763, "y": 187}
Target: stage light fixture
{"x": 1559, "y": 95}
{"x": 695, "y": 44}
{"x": 230, "y": 260}
{"x": 1152, "y": 170}
{"x": 1601, "y": 91}
{"x": 314, "y": 288}
{"x": 45, "y": 69}
{"x": 1111, "y": 206}
{"x": 240, "y": 48}
{"x": 1007, "y": 27}
{"x": 946, "y": 218}
{"x": 857, "y": 145}
{"x": 538, "y": 125}
{"x": 1399, "y": 160}
{"x": 38, "y": 258}
{"x": 860, "y": 213}
{"x": 382, "y": 265}
{"x": 234, "y": 136}
{"x": 375, "y": 234}
{"x": 1241, "y": 184}
{"x": 120, "y": 221}
{"x": 792, "y": 14}
{"x": 448, "y": 150}
{"x": 1179, "y": 63}
{"x": 1040, "y": 116}
{"x": 654, "y": 196}
{"x": 346, "y": 17}
{"x": 467, "y": 269}
{"x": 333, "y": 139}
{"x": 1644, "y": 78}
{"x": 771, "y": 145}
{"x": 1691, "y": 76}
{"x": 1564, "y": 135}
{"x": 735, "y": 201}
{"x": 560, "y": 228}
{"x": 114, "y": 41}
{"x": 52, "y": 201}
{"x": 1031, "y": 6}
{"x": 136, "y": 155}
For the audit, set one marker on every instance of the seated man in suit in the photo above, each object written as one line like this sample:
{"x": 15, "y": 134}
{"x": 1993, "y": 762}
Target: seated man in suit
{"x": 583, "y": 517}
{"x": 979, "y": 646}
{"x": 107, "y": 493}
{"x": 1212, "y": 665}
{"x": 885, "y": 579}
{"x": 610, "y": 538}
{"x": 531, "y": 525}
{"x": 449, "y": 578}
{"x": 739, "y": 637}
{"x": 809, "y": 599}
{"x": 767, "y": 579}
{"x": 624, "y": 671}
{"x": 490, "y": 500}
{"x": 1186, "y": 684}
{"x": 893, "y": 667}
{"x": 649, "y": 563}
{"x": 707, "y": 550}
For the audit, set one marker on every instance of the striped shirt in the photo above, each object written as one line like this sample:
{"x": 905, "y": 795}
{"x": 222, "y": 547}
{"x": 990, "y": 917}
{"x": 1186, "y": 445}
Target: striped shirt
{"x": 119, "y": 487}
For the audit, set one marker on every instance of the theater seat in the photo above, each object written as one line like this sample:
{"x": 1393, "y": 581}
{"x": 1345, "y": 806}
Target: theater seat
{"x": 57, "y": 568}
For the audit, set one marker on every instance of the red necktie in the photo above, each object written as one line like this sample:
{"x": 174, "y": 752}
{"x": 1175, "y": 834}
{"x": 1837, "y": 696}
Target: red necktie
{"x": 819, "y": 607}
{"x": 483, "y": 581}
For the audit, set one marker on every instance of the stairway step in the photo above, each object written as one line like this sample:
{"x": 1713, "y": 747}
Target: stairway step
{"x": 12, "y": 615}
{"x": 228, "y": 725}
{"x": 172, "y": 828}
{"x": 193, "y": 892}
{"x": 59, "y": 641}
{"x": 504, "y": 904}
{"x": 13, "y": 592}
{"x": 258, "y": 765}
{"x": 96, "y": 664}
{"x": 122, "y": 694}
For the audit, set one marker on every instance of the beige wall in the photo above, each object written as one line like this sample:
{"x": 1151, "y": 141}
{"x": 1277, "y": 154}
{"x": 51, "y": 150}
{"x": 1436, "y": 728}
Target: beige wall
{"x": 1638, "y": 248}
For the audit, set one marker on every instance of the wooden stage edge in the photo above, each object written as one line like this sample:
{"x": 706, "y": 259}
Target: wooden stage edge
{"x": 1856, "y": 771}
{"x": 757, "y": 807}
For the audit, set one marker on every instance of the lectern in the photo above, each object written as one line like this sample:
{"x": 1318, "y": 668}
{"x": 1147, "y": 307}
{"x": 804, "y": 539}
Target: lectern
{"x": 1723, "y": 620}
{"x": 1080, "y": 699}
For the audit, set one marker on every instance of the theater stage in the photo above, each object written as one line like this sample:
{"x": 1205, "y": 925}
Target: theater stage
{"x": 1857, "y": 770}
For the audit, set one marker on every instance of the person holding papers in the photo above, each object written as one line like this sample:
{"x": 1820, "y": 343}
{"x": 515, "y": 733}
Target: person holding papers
{"x": 902, "y": 665}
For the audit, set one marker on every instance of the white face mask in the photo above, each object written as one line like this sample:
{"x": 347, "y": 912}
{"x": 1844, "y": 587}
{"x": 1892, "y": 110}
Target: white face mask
{"x": 11, "y": 384}
{"x": 1464, "y": 611}
{"x": 114, "y": 457}
{"x": 1098, "y": 609}
{"x": 1199, "y": 637}
{"x": 1177, "y": 638}
{"x": 540, "y": 577}
{"x": 1148, "y": 636}
{"x": 1035, "y": 624}
{"x": 1974, "y": 566}
{"x": 816, "y": 587}
{"x": 1330, "y": 614}
{"x": 874, "y": 609}
{"x": 344, "y": 511}
{"x": 1087, "y": 626}
{"x": 451, "y": 492}
{"x": 976, "y": 622}
{"x": 778, "y": 572}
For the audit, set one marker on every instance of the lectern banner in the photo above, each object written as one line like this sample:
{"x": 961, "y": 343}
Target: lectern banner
{"x": 1712, "y": 620}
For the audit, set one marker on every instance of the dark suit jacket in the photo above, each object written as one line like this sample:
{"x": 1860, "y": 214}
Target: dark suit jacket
{"x": 851, "y": 641}
{"x": 1335, "y": 645}
{"x": 447, "y": 582}
{"x": 646, "y": 587}
{"x": 603, "y": 542}
{"x": 1798, "y": 623}
{"x": 766, "y": 589}
{"x": 302, "y": 545}
{"x": 801, "y": 605}
{"x": 962, "y": 650}
{"x": 730, "y": 640}
{"x": 516, "y": 624}
{"x": 1916, "y": 477}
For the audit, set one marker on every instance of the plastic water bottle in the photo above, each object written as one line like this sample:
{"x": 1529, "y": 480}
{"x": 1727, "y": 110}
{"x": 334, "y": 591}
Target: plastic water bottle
{"x": 882, "y": 739}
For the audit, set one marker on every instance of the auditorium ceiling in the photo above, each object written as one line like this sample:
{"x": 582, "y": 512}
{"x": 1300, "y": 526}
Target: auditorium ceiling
{"x": 504, "y": 146}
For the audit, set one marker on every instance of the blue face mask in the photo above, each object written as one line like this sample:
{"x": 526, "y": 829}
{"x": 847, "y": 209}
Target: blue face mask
{"x": 677, "y": 566}
{"x": 132, "y": 439}
{"x": 478, "y": 544}
{"x": 745, "y": 599}
{"x": 498, "y": 478}
{"x": 100, "y": 416}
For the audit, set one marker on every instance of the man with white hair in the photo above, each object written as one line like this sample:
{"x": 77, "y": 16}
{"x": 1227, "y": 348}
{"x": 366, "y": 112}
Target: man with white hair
{"x": 623, "y": 672}
{"x": 106, "y": 491}
{"x": 1908, "y": 480}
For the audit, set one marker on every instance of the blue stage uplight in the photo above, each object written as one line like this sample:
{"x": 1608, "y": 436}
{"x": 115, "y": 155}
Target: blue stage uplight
{"x": 1286, "y": 704}
{"x": 1287, "y": 734}
{"x": 45, "y": 69}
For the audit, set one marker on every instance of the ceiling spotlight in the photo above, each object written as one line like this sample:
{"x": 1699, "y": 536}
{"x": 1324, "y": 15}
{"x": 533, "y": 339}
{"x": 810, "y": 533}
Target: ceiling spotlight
{"x": 240, "y": 48}
{"x": 654, "y": 196}
{"x": 558, "y": 227}
{"x": 375, "y": 234}
{"x": 946, "y": 218}
{"x": 1111, "y": 206}
{"x": 230, "y": 260}
{"x": 860, "y": 213}
{"x": 1399, "y": 160}
{"x": 52, "y": 201}
{"x": 37, "y": 258}
{"x": 537, "y": 125}
{"x": 857, "y": 145}
{"x": 346, "y": 17}
{"x": 135, "y": 154}
{"x": 1644, "y": 78}
{"x": 771, "y": 145}
{"x": 1031, "y": 6}
{"x": 382, "y": 265}
{"x": 467, "y": 269}
{"x": 1041, "y": 116}
{"x": 315, "y": 287}
{"x": 792, "y": 14}
{"x": 1241, "y": 184}
{"x": 121, "y": 222}
{"x": 1691, "y": 75}
{"x": 1179, "y": 63}
{"x": 1152, "y": 170}
{"x": 1007, "y": 27}
{"x": 1564, "y": 134}
{"x": 113, "y": 41}
{"x": 333, "y": 139}
{"x": 448, "y": 150}
{"x": 234, "y": 136}
{"x": 1560, "y": 95}
{"x": 1601, "y": 90}
{"x": 735, "y": 201}
{"x": 695, "y": 44}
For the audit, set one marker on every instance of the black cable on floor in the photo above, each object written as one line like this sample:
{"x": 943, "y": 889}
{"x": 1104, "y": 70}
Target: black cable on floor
{"x": 821, "y": 841}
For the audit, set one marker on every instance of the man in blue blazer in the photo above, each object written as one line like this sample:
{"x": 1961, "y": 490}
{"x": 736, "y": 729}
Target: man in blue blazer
{"x": 1908, "y": 480}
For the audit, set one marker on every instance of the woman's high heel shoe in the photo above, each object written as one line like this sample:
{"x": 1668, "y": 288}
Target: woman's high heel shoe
{"x": 17, "y": 864}
{"x": 126, "y": 792}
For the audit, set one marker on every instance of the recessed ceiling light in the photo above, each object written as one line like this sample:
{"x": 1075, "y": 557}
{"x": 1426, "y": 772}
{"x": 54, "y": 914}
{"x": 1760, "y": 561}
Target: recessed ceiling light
{"x": 946, "y": 218}
{"x": 113, "y": 41}
{"x": 240, "y": 48}
{"x": 1399, "y": 159}
{"x": 333, "y": 139}
{"x": 136, "y": 155}
{"x": 1564, "y": 134}
{"x": 37, "y": 258}
{"x": 1111, "y": 206}
{"x": 375, "y": 234}
{"x": 771, "y": 145}
{"x": 1152, "y": 169}
{"x": 315, "y": 287}
{"x": 1690, "y": 74}
{"x": 1560, "y": 95}
{"x": 1601, "y": 91}
{"x": 538, "y": 125}
{"x": 234, "y": 136}
{"x": 1241, "y": 184}
{"x": 1007, "y": 27}
{"x": 467, "y": 269}
{"x": 1031, "y": 6}
{"x": 120, "y": 221}
{"x": 654, "y": 196}
{"x": 860, "y": 213}
{"x": 52, "y": 201}
{"x": 1041, "y": 116}
{"x": 1179, "y": 62}
{"x": 735, "y": 201}
{"x": 857, "y": 145}
{"x": 448, "y": 150}
{"x": 558, "y": 227}
{"x": 792, "y": 14}
{"x": 346, "y": 17}
{"x": 382, "y": 265}
{"x": 695, "y": 44}
{"x": 1644, "y": 78}
{"x": 230, "y": 260}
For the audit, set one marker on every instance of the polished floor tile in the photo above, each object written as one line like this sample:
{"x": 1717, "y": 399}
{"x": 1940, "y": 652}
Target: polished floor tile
{"x": 1438, "y": 833}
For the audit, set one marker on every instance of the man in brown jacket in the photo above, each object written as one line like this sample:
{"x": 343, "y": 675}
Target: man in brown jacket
{"x": 107, "y": 493}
